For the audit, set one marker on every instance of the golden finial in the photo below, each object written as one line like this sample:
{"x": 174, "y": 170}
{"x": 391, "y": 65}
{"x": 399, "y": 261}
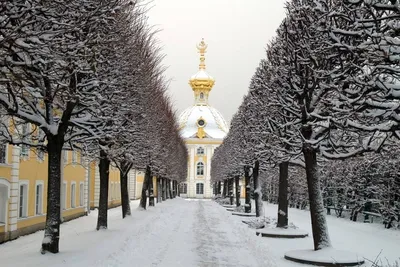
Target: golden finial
{"x": 202, "y": 46}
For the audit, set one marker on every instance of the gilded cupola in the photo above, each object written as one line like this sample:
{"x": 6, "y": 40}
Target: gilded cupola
{"x": 201, "y": 82}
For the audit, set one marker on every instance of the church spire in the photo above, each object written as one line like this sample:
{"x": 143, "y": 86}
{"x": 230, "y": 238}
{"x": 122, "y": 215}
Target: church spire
{"x": 202, "y": 47}
{"x": 201, "y": 82}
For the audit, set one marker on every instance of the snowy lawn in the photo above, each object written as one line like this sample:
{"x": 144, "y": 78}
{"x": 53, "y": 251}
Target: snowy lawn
{"x": 368, "y": 240}
{"x": 189, "y": 233}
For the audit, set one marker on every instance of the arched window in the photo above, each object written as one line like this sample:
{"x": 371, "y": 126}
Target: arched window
{"x": 201, "y": 95}
{"x": 199, "y": 188}
{"x": 200, "y": 168}
{"x": 200, "y": 151}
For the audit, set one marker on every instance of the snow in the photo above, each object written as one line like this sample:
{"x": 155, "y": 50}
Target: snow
{"x": 326, "y": 255}
{"x": 216, "y": 126}
{"x": 281, "y": 212}
{"x": 191, "y": 233}
{"x": 202, "y": 75}
{"x": 365, "y": 239}
{"x": 282, "y": 232}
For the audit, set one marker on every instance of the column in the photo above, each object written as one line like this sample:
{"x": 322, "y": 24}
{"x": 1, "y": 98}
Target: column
{"x": 14, "y": 191}
{"x": 86, "y": 198}
{"x": 96, "y": 185}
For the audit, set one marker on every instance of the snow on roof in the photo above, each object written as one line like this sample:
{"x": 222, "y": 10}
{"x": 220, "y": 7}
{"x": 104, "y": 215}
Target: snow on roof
{"x": 216, "y": 126}
{"x": 202, "y": 75}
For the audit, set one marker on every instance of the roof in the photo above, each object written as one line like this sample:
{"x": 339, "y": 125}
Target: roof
{"x": 215, "y": 128}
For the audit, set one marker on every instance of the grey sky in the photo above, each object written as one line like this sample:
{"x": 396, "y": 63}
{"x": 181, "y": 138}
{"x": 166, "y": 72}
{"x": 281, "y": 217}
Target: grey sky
{"x": 236, "y": 32}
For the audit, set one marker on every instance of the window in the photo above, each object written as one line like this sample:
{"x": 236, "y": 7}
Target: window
{"x": 73, "y": 195}
{"x": 63, "y": 195}
{"x": 24, "y": 137}
{"x": 183, "y": 188}
{"x": 40, "y": 154}
{"x": 199, "y": 188}
{"x": 200, "y": 151}
{"x": 201, "y": 95}
{"x": 81, "y": 194}
{"x": 82, "y": 159}
{"x": 3, "y": 153}
{"x": 39, "y": 199}
{"x": 65, "y": 156}
{"x": 23, "y": 201}
{"x": 118, "y": 191}
{"x": 200, "y": 168}
{"x": 4, "y": 194}
{"x": 74, "y": 157}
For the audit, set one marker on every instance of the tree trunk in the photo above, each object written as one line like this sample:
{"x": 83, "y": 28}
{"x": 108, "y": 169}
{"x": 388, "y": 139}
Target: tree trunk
{"x": 146, "y": 183}
{"x": 257, "y": 190}
{"x": 219, "y": 188}
{"x": 237, "y": 193}
{"x": 104, "y": 169}
{"x": 283, "y": 195}
{"x": 159, "y": 197}
{"x": 169, "y": 189}
{"x": 318, "y": 220}
{"x": 231, "y": 191}
{"x": 125, "y": 202}
{"x": 247, "y": 206}
{"x": 224, "y": 189}
{"x": 164, "y": 192}
{"x": 151, "y": 192}
{"x": 51, "y": 238}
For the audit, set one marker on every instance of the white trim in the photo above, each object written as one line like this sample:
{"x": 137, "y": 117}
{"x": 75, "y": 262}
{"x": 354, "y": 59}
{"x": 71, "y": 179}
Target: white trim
{"x": 196, "y": 168}
{"x": 74, "y": 157}
{"x": 38, "y": 151}
{"x": 111, "y": 191}
{"x": 65, "y": 157}
{"x": 63, "y": 195}
{"x": 81, "y": 194}
{"x": 119, "y": 189}
{"x": 6, "y": 183}
{"x": 40, "y": 183}
{"x": 25, "y": 214}
{"x": 28, "y": 129}
{"x": 5, "y": 197}
{"x": 73, "y": 197}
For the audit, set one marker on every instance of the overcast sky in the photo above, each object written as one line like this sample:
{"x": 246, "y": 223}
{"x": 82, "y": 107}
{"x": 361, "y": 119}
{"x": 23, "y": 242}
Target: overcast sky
{"x": 236, "y": 32}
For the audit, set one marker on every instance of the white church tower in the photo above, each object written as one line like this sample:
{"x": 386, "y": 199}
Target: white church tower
{"x": 203, "y": 129}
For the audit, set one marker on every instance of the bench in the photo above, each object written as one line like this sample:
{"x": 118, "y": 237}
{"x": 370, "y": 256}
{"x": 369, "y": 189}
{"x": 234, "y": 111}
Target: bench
{"x": 372, "y": 214}
{"x": 337, "y": 210}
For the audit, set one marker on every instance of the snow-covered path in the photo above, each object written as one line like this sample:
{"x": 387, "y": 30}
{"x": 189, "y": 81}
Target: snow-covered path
{"x": 189, "y": 233}
{"x": 177, "y": 232}
{"x": 185, "y": 233}
{"x": 221, "y": 242}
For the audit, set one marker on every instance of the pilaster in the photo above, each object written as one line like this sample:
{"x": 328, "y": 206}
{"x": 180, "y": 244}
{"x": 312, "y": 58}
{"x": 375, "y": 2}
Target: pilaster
{"x": 14, "y": 190}
{"x": 132, "y": 184}
{"x": 96, "y": 185}
{"x": 86, "y": 186}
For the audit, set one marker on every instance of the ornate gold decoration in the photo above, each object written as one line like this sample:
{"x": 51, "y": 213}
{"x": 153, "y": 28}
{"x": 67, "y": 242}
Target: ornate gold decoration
{"x": 201, "y": 133}
{"x": 202, "y": 47}
{"x": 201, "y": 82}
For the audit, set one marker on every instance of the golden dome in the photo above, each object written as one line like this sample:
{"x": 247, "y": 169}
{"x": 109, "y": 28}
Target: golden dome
{"x": 201, "y": 82}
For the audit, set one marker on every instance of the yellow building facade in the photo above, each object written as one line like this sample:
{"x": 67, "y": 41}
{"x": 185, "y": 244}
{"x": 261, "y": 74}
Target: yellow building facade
{"x": 23, "y": 189}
